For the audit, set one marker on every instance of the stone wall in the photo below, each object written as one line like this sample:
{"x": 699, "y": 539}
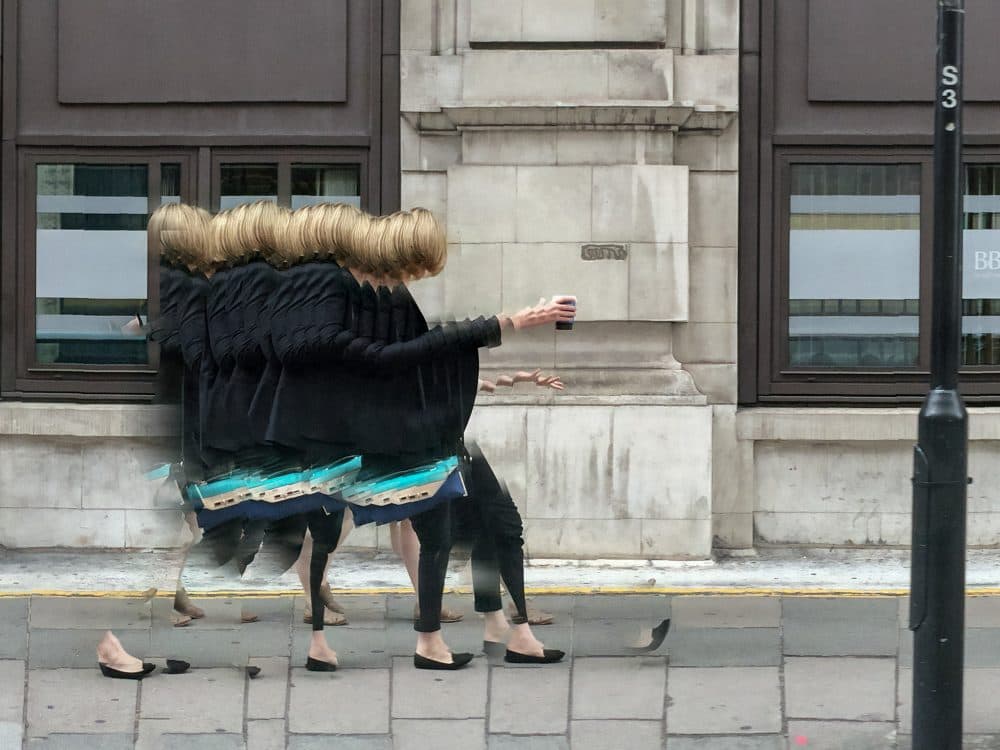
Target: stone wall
{"x": 841, "y": 477}
{"x": 590, "y": 147}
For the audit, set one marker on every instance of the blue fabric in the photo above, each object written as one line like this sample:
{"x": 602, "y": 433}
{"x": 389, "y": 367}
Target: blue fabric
{"x": 258, "y": 510}
{"x": 452, "y": 489}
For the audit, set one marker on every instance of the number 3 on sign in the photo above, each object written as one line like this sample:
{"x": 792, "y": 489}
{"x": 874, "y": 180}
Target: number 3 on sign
{"x": 949, "y": 77}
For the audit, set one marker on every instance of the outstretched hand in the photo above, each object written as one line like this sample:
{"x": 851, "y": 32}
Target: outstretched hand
{"x": 543, "y": 381}
{"x": 543, "y": 313}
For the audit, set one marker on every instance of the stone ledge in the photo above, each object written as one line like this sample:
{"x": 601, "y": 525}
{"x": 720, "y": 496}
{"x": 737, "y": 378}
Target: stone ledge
{"x": 551, "y": 399}
{"x": 607, "y": 113}
{"x": 88, "y": 420}
{"x": 850, "y": 424}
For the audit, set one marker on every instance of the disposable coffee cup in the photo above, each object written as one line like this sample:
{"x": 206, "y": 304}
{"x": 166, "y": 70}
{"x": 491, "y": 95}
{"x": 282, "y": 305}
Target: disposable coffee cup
{"x": 569, "y": 300}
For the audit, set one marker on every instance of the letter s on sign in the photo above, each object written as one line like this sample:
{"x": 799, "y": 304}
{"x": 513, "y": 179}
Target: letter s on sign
{"x": 949, "y": 75}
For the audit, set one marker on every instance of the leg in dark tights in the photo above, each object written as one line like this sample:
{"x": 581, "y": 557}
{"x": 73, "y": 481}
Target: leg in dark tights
{"x": 325, "y": 530}
{"x": 433, "y": 528}
{"x": 498, "y": 550}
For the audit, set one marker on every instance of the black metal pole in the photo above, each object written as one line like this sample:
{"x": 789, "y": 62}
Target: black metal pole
{"x": 937, "y": 603}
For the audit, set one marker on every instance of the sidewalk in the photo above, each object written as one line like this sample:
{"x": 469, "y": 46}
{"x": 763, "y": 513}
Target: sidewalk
{"x": 750, "y": 671}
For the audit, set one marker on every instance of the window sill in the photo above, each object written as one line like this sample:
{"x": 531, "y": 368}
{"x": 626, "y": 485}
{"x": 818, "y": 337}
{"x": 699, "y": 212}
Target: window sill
{"x": 88, "y": 420}
{"x": 847, "y": 424}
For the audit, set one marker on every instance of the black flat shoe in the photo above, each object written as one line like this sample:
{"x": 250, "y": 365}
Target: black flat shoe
{"x": 550, "y": 656}
{"x": 177, "y": 666}
{"x": 458, "y": 661}
{"x": 253, "y": 672}
{"x": 493, "y": 649}
{"x": 658, "y": 636}
{"x": 318, "y": 665}
{"x": 119, "y": 675}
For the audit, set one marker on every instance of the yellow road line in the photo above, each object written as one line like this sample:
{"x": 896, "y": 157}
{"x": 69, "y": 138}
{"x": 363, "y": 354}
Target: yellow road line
{"x": 735, "y": 591}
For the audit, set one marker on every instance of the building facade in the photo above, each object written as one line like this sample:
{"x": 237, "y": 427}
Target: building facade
{"x": 742, "y": 209}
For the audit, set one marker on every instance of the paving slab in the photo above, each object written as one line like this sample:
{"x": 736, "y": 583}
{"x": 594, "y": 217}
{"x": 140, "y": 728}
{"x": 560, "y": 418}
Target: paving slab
{"x": 725, "y": 612}
{"x": 80, "y": 742}
{"x": 762, "y": 742}
{"x": 441, "y": 734}
{"x": 354, "y": 701}
{"x": 515, "y": 742}
{"x": 638, "y": 606}
{"x": 158, "y": 734}
{"x": 532, "y": 700}
{"x": 203, "y": 647}
{"x": 324, "y": 742}
{"x": 835, "y": 735}
{"x": 94, "y": 613}
{"x": 723, "y": 700}
{"x": 724, "y": 647}
{"x": 266, "y": 734}
{"x": 426, "y": 694}
{"x": 979, "y": 710}
{"x": 608, "y": 637}
{"x": 600, "y": 735}
{"x": 859, "y": 689}
{"x": 969, "y": 742}
{"x": 11, "y": 734}
{"x": 14, "y": 628}
{"x": 267, "y": 694}
{"x": 982, "y": 648}
{"x": 362, "y": 611}
{"x": 12, "y": 695}
{"x": 619, "y": 688}
{"x": 840, "y": 627}
{"x": 79, "y": 701}
{"x": 198, "y": 701}
{"x": 55, "y": 649}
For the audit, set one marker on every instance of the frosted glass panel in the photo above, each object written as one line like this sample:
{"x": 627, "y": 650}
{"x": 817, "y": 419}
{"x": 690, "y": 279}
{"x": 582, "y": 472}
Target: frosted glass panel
{"x": 854, "y": 265}
{"x": 981, "y": 266}
{"x": 91, "y": 261}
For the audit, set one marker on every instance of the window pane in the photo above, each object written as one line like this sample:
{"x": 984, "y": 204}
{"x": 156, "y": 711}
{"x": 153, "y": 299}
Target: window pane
{"x": 246, "y": 183}
{"x": 90, "y": 263}
{"x": 981, "y": 266}
{"x": 854, "y": 265}
{"x": 170, "y": 183}
{"x": 326, "y": 183}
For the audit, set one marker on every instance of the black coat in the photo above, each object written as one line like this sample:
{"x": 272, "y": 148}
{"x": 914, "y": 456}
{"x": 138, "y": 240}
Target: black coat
{"x": 361, "y": 373}
{"x": 233, "y": 311}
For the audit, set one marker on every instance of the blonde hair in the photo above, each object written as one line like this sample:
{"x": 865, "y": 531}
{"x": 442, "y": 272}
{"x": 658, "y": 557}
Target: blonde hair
{"x": 223, "y": 245}
{"x": 255, "y": 230}
{"x": 426, "y": 248}
{"x": 299, "y": 237}
{"x": 179, "y": 233}
{"x": 358, "y": 251}
{"x": 332, "y": 229}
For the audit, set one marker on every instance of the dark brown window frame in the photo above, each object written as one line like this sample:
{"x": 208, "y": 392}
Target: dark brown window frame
{"x": 285, "y": 159}
{"x": 763, "y": 192}
{"x": 864, "y": 385}
{"x": 21, "y": 373}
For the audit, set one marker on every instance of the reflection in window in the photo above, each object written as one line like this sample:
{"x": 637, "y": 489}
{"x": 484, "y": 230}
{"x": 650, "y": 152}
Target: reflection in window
{"x": 854, "y": 265}
{"x": 981, "y": 266}
{"x": 246, "y": 183}
{"x": 325, "y": 183}
{"x": 91, "y": 263}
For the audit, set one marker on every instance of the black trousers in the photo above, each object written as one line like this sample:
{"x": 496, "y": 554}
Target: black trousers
{"x": 433, "y": 529}
{"x": 325, "y": 530}
{"x": 493, "y": 522}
